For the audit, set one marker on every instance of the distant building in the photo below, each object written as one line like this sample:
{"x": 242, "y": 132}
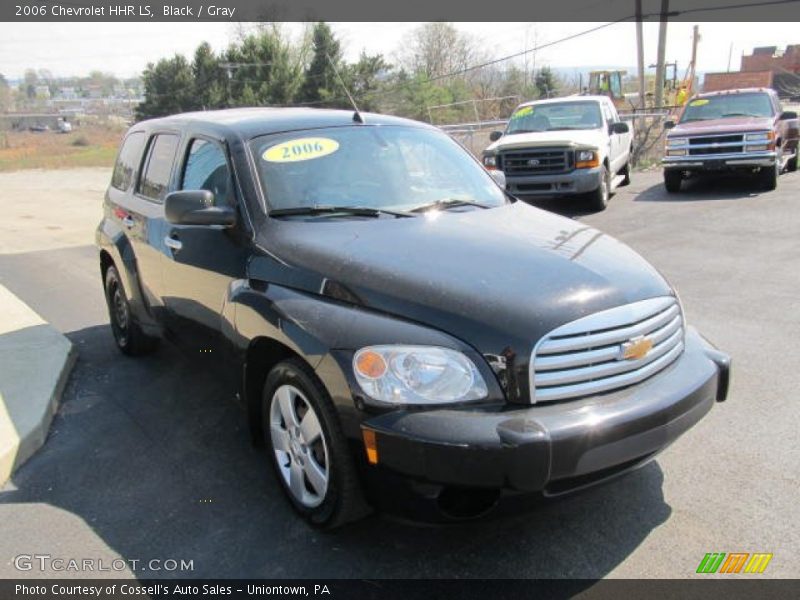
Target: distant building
{"x": 767, "y": 66}
{"x": 769, "y": 58}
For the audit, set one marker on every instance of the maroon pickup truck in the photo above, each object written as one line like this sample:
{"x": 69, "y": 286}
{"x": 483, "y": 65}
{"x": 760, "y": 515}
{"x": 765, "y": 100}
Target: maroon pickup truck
{"x": 735, "y": 130}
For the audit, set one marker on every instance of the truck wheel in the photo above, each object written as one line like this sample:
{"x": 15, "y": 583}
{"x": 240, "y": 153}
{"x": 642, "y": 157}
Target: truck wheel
{"x": 672, "y": 181}
{"x": 130, "y": 338}
{"x": 308, "y": 451}
{"x": 791, "y": 166}
{"x": 768, "y": 177}
{"x": 598, "y": 199}
{"x": 626, "y": 172}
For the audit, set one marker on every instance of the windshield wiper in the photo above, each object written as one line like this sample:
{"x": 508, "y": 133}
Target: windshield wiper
{"x": 359, "y": 211}
{"x": 738, "y": 115}
{"x": 446, "y": 203}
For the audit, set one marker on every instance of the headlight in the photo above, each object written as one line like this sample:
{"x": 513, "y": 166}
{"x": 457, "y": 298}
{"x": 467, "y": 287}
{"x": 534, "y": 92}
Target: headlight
{"x": 763, "y": 137}
{"x": 676, "y": 152}
{"x": 586, "y": 159}
{"x": 676, "y": 141}
{"x": 417, "y": 375}
{"x": 490, "y": 161}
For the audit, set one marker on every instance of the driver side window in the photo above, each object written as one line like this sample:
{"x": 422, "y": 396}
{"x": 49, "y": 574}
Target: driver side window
{"x": 207, "y": 169}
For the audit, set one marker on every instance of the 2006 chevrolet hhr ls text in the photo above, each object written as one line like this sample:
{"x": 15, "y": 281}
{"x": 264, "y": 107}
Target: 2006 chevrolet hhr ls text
{"x": 401, "y": 331}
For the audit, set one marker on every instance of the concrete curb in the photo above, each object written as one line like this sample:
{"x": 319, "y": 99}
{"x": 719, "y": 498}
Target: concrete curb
{"x": 35, "y": 363}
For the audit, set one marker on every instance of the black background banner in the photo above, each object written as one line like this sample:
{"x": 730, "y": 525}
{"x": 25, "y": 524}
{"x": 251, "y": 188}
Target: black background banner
{"x": 730, "y": 588}
{"x": 393, "y": 10}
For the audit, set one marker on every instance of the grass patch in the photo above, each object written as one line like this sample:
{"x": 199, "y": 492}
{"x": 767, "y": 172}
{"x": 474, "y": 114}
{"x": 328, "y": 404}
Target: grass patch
{"x": 89, "y": 146}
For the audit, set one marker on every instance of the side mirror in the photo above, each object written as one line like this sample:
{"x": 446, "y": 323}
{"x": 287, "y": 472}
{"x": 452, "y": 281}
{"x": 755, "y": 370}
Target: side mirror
{"x": 196, "y": 207}
{"x": 495, "y": 135}
{"x": 669, "y": 124}
{"x": 619, "y": 127}
{"x": 788, "y": 114}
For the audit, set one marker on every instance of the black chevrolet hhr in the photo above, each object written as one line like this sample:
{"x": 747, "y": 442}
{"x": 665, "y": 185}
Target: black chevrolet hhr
{"x": 401, "y": 332}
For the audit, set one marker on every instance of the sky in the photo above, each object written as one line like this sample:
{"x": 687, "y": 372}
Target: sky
{"x": 124, "y": 49}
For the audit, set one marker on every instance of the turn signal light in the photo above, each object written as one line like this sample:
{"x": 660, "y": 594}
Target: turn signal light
{"x": 371, "y": 445}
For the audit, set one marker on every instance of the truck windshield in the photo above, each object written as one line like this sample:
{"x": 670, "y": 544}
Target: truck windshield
{"x": 555, "y": 116}
{"x": 388, "y": 168}
{"x": 728, "y": 105}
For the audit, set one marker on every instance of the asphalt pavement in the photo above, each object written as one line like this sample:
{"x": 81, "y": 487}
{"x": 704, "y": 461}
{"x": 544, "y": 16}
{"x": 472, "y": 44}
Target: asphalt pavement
{"x": 147, "y": 459}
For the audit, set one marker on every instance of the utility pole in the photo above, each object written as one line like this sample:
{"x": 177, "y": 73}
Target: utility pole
{"x": 662, "y": 50}
{"x": 640, "y": 52}
{"x": 693, "y": 64}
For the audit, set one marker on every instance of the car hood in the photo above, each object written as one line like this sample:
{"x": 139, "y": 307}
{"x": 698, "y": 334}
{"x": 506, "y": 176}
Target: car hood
{"x": 571, "y": 137}
{"x": 717, "y": 126}
{"x": 497, "y": 279}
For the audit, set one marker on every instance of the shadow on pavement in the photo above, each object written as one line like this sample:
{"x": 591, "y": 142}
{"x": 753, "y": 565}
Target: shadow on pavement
{"x": 725, "y": 186}
{"x": 158, "y": 463}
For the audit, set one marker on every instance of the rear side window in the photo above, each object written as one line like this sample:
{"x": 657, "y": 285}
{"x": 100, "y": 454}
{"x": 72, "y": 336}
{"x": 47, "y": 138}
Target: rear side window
{"x": 128, "y": 160}
{"x": 154, "y": 182}
{"x": 207, "y": 169}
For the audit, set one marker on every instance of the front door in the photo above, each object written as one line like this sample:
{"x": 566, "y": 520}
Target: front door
{"x": 202, "y": 261}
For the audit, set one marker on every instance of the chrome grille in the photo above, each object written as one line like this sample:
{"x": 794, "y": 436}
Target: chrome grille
{"x": 536, "y": 162}
{"x": 585, "y": 357}
{"x": 717, "y": 144}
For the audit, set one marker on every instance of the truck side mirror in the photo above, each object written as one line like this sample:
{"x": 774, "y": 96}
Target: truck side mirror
{"x": 495, "y": 135}
{"x": 669, "y": 124}
{"x": 196, "y": 207}
{"x": 788, "y": 114}
{"x": 619, "y": 127}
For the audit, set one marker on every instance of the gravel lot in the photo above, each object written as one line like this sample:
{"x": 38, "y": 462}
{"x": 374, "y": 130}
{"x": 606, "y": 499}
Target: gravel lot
{"x": 147, "y": 460}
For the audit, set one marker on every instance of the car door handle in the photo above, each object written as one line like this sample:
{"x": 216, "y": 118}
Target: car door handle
{"x": 128, "y": 222}
{"x": 173, "y": 243}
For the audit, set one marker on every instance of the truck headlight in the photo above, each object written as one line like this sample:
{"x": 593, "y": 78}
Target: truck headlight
{"x": 490, "y": 161}
{"x": 586, "y": 159}
{"x": 417, "y": 375}
{"x": 676, "y": 142}
{"x": 763, "y": 137}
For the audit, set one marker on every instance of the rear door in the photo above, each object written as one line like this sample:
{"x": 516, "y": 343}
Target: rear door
{"x": 135, "y": 214}
{"x": 203, "y": 260}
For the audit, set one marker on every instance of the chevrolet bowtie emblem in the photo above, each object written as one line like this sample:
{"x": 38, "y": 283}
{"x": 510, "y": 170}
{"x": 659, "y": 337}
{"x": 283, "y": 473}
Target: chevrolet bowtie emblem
{"x": 636, "y": 348}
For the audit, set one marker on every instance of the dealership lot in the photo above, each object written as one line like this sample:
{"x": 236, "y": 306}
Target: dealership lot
{"x": 146, "y": 461}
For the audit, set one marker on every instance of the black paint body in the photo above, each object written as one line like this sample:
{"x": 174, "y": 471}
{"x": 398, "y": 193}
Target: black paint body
{"x": 485, "y": 282}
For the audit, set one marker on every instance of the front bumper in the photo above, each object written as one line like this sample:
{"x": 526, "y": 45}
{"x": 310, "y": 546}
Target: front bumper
{"x": 558, "y": 447}
{"x": 719, "y": 162}
{"x": 577, "y": 181}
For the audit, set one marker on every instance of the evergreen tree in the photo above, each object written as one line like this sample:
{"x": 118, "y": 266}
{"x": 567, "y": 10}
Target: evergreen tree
{"x": 168, "y": 88}
{"x": 545, "y": 83}
{"x": 320, "y": 83}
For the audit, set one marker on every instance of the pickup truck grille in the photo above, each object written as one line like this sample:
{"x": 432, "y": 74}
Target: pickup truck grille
{"x": 717, "y": 144}
{"x": 586, "y": 356}
{"x": 542, "y": 161}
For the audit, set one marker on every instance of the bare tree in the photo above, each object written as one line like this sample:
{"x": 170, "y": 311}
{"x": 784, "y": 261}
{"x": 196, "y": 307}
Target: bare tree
{"x": 437, "y": 49}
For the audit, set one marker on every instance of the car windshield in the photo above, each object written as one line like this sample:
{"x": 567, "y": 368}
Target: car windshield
{"x": 728, "y": 105}
{"x": 555, "y": 116}
{"x": 388, "y": 168}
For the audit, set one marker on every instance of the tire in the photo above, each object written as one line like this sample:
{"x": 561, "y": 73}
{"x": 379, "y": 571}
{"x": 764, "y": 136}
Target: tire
{"x": 672, "y": 181}
{"x": 598, "y": 199}
{"x": 791, "y": 166}
{"x": 626, "y": 172}
{"x": 130, "y": 338}
{"x": 310, "y": 456}
{"x": 768, "y": 177}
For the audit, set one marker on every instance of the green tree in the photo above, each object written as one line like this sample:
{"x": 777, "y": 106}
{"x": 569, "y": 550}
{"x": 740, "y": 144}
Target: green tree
{"x": 546, "y": 83}
{"x": 168, "y": 88}
{"x": 5, "y": 94}
{"x": 320, "y": 83}
{"x": 210, "y": 79}
{"x": 365, "y": 77}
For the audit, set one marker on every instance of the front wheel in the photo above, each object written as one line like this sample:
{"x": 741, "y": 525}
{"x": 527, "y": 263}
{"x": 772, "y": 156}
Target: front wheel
{"x": 791, "y": 165}
{"x": 768, "y": 177}
{"x": 308, "y": 451}
{"x": 598, "y": 199}
{"x": 672, "y": 181}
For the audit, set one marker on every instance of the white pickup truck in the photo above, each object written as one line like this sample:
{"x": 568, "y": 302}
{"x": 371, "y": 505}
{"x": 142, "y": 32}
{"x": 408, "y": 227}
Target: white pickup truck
{"x": 564, "y": 146}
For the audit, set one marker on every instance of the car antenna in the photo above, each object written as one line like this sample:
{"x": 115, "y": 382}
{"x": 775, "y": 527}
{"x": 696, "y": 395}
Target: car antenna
{"x": 357, "y": 117}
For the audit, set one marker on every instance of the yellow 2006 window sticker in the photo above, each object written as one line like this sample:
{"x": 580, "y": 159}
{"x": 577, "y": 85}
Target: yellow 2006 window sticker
{"x": 699, "y": 102}
{"x": 301, "y": 149}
